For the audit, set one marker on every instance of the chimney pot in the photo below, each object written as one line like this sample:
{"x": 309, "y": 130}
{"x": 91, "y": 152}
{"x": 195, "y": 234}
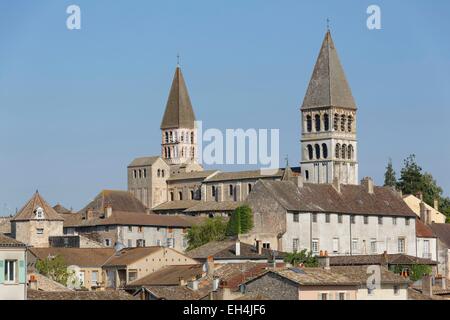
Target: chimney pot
{"x": 238, "y": 248}
{"x": 259, "y": 246}
{"x": 367, "y": 183}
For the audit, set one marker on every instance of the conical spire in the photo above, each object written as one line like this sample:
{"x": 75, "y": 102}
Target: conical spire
{"x": 328, "y": 86}
{"x": 179, "y": 112}
{"x": 28, "y": 212}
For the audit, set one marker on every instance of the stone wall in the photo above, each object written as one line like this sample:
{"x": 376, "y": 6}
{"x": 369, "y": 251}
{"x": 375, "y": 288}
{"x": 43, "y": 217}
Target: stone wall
{"x": 273, "y": 287}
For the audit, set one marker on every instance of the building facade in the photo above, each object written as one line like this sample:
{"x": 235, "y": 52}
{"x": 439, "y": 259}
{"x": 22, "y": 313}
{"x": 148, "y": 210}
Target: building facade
{"x": 13, "y": 269}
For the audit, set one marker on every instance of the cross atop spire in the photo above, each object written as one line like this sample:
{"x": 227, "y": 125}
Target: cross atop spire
{"x": 328, "y": 24}
{"x": 178, "y": 60}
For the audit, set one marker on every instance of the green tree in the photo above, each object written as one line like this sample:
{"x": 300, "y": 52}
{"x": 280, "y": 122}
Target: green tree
{"x": 210, "y": 230}
{"x": 54, "y": 268}
{"x": 430, "y": 190}
{"x": 303, "y": 257}
{"x": 241, "y": 221}
{"x": 416, "y": 271}
{"x": 389, "y": 177}
{"x": 410, "y": 181}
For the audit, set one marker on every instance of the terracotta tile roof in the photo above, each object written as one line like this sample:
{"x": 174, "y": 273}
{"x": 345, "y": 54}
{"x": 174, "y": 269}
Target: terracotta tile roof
{"x": 378, "y": 259}
{"x": 442, "y": 231}
{"x": 193, "y": 175}
{"x": 82, "y": 257}
{"x": 143, "y": 161}
{"x": 79, "y": 295}
{"x": 170, "y": 276}
{"x": 359, "y": 274}
{"x": 353, "y": 199}
{"x": 178, "y": 292}
{"x": 46, "y": 284}
{"x": 415, "y": 294}
{"x": 232, "y": 275}
{"x": 134, "y": 219}
{"x": 212, "y": 206}
{"x": 118, "y": 200}
{"x": 315, "y": 277}
{"x": 9, "y": 242}
{"x": 424, "y": 231}
{"x": 243, "y": 175}
{"x": 61, "y": 209}
{"x": 28, "y": 212}
{"x": 130, "y": 255}
{"x": 176, "y": 205}
{"x": 225, "y": 250}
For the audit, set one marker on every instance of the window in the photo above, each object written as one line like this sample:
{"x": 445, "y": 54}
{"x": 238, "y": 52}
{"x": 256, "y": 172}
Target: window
{"x": 158, "y": 243}
{"x": 171, "y": 196}
{"x": 94, "y": 278}
{"x": 185, "y": 242}
{"x": 159, "y": 173}
{"x": 314, "y": 217}
{"x": 396, "y": 290}
{"x": 366, "y": 219}
{"x": 394, "y": 220}
{"x": 106, "y": 228}
{"x": 140, "y": 173}
{"x": 327, "y": 218}
{"x": 326, "y": 122}
{"x": 354, "y": 245}
{"x": 349, "y": 123}
{"x": 308, "y": 123}
{"x": 295, "y": 217}
{"x": 192, "y": 195}
{"x": 341, "y": 295}
{"x": 134, "y": 174}
{"x": 108, "y": 242}
{"x": 335, "y": 245}
{"x": 140, "y": 229}
{"x": 192, "y": 137}
{"x": 344, "y": 151}
{"x": 426, "y": 249}
{"x": 339, "y": 218}
{"x": 324, "y": 296}
{"x": 310, "y": 152}
{"x": 213, "y": 191}
{"x": 350, "y": 152}
{"x": 130, "y": 243}
{"x": 373, "y": 245}
{"x": 307, "y": 174}
{"x": 352, "y": 219}
{"x": 295, "y": 242}
{"x": 170, "y": 242}
{"x": 338, "y": 151}
{"x": 380, "y": 220}
{"x": 401, "y": 245}
{"x": 180, "y": 195}
{"x": 145, "y": 173}
{"x": 317, "y": 122}
{"x": 343, "y": 122}
{"x": 10, "y": 271}
{"x": 315, "y": 245}
{"x": 266, "y": 245}
{"x": 162, "y": 173}
{"x": 231, "y": 188}
{"x": 324, "y": 150}
{"x": 39, "y": 231}
{"x": 39, "y": 213}
{"x": 406, "y": 221}
{"x": 317, "y": 148}
{"x": 140, "y": 243}
{"x": 249, "y": 187}
{"x": 132, "y": 275}
{"x": 130, "y": 228}
{"x": 336, "y": 122}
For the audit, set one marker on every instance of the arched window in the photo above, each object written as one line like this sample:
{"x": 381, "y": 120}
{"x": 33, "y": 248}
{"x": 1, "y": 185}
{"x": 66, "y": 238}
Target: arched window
{"x": 192, "y": 195}
{"x": 336, "y": 122}
{"x": 213, "y": 191}
{"x": 249, "y": 187}
{"x": 307, "y": 174}
{"x": 145, "y": 173}
{"x": 310, "y": 152}
{"x": 162, "y": 173}
{"x": 308, "y": 123}
{"x": 231, "y": 189}
{"x": 324, "y": 150}
{"x": 159, "y": 173}
{"x": 338, "y": 151}
{"x": 140, "y": 173}
{"x": 326, "y": 122}
{"x": 181, "y": 136}
{"x": 350, "y": 151}
{"x": 317, "y": 148}
{"x": 343, "y": 122}
{"x": 344, "y": 151}
{"x": 167, "y": 137}
{"x": 317, "y": 122}
{"x": 180, "y": 195}
{"x": 171, "y": 136}
{"x": 349, "y": 123}
{"x": 171, "y": 196}
{"x": 168, "y": 153}
{"x": 192, "y": 137}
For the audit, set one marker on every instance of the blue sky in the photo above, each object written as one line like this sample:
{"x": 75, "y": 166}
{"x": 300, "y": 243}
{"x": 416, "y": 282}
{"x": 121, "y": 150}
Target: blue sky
{"x": 77, "y": 106}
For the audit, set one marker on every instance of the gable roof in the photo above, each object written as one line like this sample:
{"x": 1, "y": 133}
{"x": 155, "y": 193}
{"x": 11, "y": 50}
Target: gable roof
{"x": 28, "y": 212}
{"x": 170, "y": 276}
{"x": 118, "y": 200}
{"x": 315, "y": 277}
{"x": 442, "y": 231}
{"x": 353, "y": 199}
{"x": 423, "y": 231}
{"x": 179, "y": 112}
{"x": 130, "y": 255}
{"x": 328, "y": 86}
{"x": 82, "y": 257}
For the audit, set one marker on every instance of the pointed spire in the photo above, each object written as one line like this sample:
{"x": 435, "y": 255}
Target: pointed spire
{"x": 179, "y": 112}
{"x": 28, "y": 211}
{"x": 287, "y": 174}
{"x": 328, "y": 86}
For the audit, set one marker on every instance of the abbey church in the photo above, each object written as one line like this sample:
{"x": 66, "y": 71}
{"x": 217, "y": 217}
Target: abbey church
{"x": 174, "y": 181}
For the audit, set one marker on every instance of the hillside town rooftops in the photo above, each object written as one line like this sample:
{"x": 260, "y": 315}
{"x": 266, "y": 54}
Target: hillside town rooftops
{"x": 79, "y": 295}
{"x": 118, "y": 200}
{"x": 379, "y": 259}
{"x": 82, "y": 257}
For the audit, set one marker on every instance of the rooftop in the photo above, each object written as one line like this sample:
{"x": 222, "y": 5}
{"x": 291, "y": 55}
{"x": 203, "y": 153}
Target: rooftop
{"x": 79, "y": 295}
{"x": 82, "y": 257}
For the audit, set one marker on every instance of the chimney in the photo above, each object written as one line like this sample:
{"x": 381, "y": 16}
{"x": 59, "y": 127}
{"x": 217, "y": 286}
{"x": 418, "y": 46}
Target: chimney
{"x": 419, "y": 195}
{"x": 108, "y": 211}
{"x": 428, "y": 217}
{"x": 89, "y": 213}
{"x": 193, "y": 285}
{"x": 210, "y": 266}
{"x": 238, "y": 248}
{"x": 182, "y": 281}
{"x": 427, "y": 286}
{"x": 367, "y": 183}
{"x": 259, "y": 247}
{"x": 324, "y": 261}
{"x": 33, "y": 282}
{"x": 423, "y": 212}
{"x": 436, "y": 204}
{"x": 299, "y": 181}
{"x": 337, "y": 184}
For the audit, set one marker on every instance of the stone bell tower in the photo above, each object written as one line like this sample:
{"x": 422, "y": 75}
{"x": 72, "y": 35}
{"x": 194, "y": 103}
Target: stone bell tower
{"x": 329, "y": 144}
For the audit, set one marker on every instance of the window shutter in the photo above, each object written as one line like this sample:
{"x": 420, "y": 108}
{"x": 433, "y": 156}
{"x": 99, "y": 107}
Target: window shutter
{"x": 22, "y": 272}
{"x": 2, "y": 271}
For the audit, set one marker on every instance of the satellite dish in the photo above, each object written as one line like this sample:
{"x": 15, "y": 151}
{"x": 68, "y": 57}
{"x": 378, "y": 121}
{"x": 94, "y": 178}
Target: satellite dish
{"x": 119, "y": 246}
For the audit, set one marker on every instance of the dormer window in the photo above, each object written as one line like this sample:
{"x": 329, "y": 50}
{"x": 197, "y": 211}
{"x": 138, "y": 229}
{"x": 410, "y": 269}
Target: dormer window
{"x": 39, "y": 213}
